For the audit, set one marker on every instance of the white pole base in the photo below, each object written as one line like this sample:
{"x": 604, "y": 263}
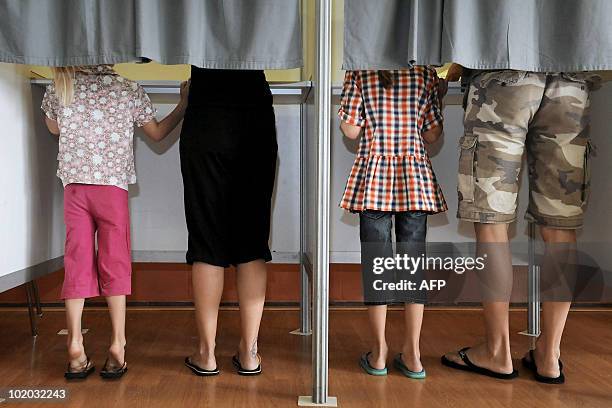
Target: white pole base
{"x": 306, "y": 401}
{"x": 299, "y": 332}
{"x": 526, "y": 333}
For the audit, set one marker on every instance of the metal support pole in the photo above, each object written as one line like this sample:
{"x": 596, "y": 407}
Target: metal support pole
{"x": 533, "y": 303}
{"x": 320, "y": 288}
{"x": 30, "y": 299}
{"x": 305, "y": 324}
{"x": 414, "y": 23}
{"x": 305, "y": 321}
{"x": 37, "y": 298}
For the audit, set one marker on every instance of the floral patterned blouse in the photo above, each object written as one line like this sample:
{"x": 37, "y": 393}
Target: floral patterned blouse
{"x": 97, "y": 128}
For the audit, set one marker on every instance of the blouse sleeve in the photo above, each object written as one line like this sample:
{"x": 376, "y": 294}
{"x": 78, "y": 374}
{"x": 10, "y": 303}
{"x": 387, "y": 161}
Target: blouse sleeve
{"x": 351, "y": 104}
{"x": 144, "y": 111}
{"x": 433, "y": 111}
{"x": 50, "y": 103}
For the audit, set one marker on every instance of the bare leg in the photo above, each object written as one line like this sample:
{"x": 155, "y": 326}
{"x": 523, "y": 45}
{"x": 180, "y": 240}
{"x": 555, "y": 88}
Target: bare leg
{"x": 76, "y": 351}
{"x": 378, "y": 322}
{"x": 251, "y": 284}
{"x": 116, "y": 306}
{"x": 207, "y": 290}
{"x": 494, "y": 353}
{"x": 554, "y": 316}
{"x": 411, "y": 353}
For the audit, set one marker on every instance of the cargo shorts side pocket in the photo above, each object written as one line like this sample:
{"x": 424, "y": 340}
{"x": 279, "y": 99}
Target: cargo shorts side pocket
{"x": 589, "y": 152}
{"x": 467, "y": 168}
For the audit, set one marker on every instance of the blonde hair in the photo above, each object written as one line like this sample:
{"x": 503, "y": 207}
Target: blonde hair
{"x": 63, "y": 79}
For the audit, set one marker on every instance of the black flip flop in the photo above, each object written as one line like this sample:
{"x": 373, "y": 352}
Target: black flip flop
{"x": 531, "y": 365}
{"x": 82, "y": 372}
{"x": 364, "y": 363}
{"x": 199, "y": 371}
{"x": 113, "y": 373}
{"x": 243, "y": 371}
{"x": 471, "y": 367}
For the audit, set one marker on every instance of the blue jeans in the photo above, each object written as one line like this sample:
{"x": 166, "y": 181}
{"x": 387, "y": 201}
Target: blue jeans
{"x": 375, "y": 232}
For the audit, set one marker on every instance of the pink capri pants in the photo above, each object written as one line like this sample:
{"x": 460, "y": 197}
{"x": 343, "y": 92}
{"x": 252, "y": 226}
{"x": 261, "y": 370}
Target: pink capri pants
{"x": 91, "y": 209}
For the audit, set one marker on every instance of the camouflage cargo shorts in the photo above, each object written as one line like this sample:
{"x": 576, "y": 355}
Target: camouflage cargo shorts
{"x": 546, "y": 115}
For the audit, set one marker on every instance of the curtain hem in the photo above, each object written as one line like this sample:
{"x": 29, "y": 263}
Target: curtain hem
{"x": 67, "y": 61}
{"x": 203, "y": 62}
{"x": 602, "y": 66}
{"x": 117, "y": 59}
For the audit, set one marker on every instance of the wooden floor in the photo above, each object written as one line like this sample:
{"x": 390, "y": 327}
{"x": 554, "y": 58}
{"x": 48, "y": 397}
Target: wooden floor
{"x": 158, "y": 341}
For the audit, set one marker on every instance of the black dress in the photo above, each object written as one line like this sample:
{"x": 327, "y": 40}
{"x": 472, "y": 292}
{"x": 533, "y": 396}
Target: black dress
{"x": 228, "y": 161}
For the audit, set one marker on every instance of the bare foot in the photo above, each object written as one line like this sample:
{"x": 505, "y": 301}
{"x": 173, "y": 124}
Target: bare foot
{"x": 378, "y": 357}
{"x": 116, "y": 355}
{"x": 207, "y": 362}
{"x": 480, "y": 355}
{"x": 548, "y": 366}
{"x": 76, "y": 354}
{"x": 412, "y": 362}
{"x": 249, "y": 359}
{"x": 248, "y": 356}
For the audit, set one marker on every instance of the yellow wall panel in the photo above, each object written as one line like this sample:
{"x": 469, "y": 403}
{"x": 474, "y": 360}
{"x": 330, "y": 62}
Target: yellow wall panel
{"x": 337, "y": 40}
{"x": 309, "y": 38}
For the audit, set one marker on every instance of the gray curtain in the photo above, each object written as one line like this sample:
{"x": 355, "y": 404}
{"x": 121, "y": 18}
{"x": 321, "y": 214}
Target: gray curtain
{"x": 66, "y": 32}
{"x": 531, "y": 35}
{"x": 391, "y": 34}
{"x": 232, "y": 34}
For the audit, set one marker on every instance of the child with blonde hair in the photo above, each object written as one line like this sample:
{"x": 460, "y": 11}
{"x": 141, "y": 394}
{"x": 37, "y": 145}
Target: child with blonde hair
{"x": 93, "y": 110}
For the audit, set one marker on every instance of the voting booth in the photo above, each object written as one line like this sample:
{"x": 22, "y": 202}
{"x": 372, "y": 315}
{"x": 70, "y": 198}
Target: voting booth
{"x": 299, "y": 43}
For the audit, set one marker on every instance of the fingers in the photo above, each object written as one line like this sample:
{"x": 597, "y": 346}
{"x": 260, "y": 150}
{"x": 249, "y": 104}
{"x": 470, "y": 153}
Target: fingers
{"x": 454, "y": 73}
{"x": 185, "y": 88}
{"x": 443, "y": 87}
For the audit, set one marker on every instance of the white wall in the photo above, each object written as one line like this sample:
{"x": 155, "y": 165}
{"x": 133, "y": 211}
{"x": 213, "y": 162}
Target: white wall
{"x": 31, "y": 227}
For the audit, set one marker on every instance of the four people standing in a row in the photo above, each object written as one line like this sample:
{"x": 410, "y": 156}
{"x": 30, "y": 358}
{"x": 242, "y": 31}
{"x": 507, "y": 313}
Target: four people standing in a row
{"x": 228, "y": 154}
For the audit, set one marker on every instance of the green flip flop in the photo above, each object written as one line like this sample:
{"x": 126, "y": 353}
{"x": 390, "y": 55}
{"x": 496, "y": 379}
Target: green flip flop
{"x": 399, "y": 364}
{"x": 365, "y": 364}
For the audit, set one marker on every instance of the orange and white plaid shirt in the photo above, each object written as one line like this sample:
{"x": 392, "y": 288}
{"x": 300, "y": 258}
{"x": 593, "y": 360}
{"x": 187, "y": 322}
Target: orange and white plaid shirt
{"x": 392, "y": 170}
